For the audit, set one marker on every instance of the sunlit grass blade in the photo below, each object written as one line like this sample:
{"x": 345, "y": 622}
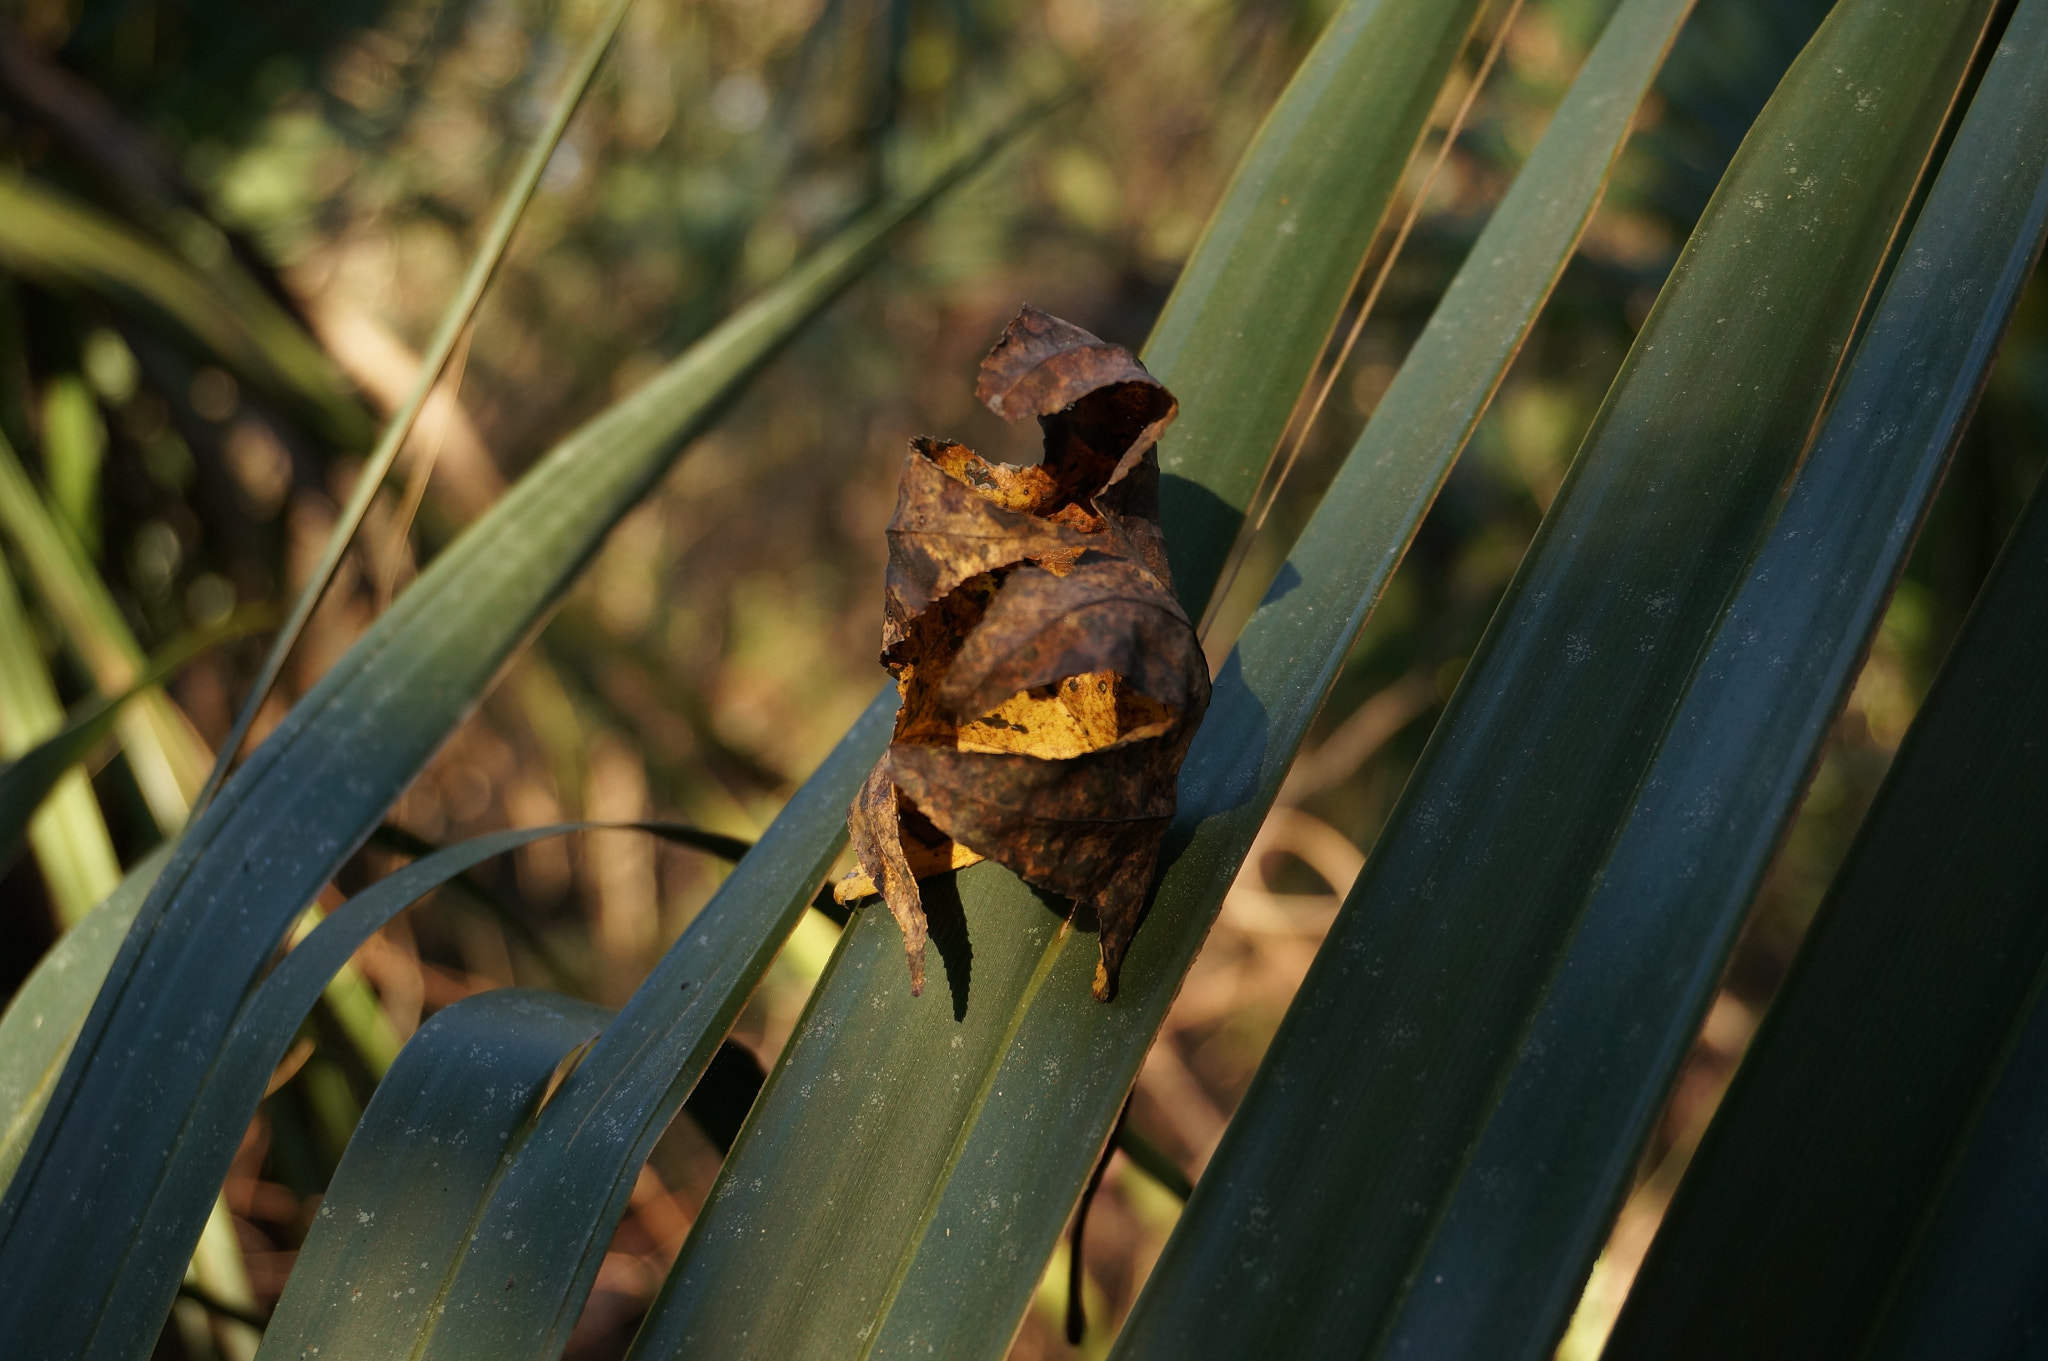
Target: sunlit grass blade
{"x": 952, "y": 1133}
{"x": 454, "y": 321}
{"x": 1844, "y": 1125}
{"x": 56, "y": 240}
{"x": 288, "y": 819}
{"x": 167, "y": 757}
{"x": 30, "y": 776}
{"x": 53, "y": 801}
{"x": 1534, "y": 1201}
{"x": 1306, "y": 1230}
{"x": 396, "y": 1213}
{"x": 44, "y": 1015}
{"x": 1258, "y": 299}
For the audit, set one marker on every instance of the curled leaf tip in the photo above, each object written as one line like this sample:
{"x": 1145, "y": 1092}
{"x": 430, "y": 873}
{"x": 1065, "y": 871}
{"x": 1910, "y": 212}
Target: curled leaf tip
{"x": 1050, "y": 681}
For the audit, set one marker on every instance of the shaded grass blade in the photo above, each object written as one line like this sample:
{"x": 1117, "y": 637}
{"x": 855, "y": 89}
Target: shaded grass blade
{"x": 1307, "y": 1227}
{"x": 952, "y": 1139}
{"x": 309, "y": 795}
{"x": 396, "y": 1213}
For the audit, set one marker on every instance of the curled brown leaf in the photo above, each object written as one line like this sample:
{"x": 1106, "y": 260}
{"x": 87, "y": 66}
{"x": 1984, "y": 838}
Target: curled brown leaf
{"x": 1050, "y": 681}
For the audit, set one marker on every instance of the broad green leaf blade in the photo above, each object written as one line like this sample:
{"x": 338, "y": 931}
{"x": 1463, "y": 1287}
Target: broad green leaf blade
{"x": 1533, "y": 1204}
{"x": 397, "y": 1212}
{"x": 1251, "y": 312}
{"x": 55, "y": 805}
{"x": 1315, "y": 1211}
{"x": 56, "y": 240}
{"x": 315, "y": 788}
{"x": 44, "y": 1016}
{"x": 167, "y": 757}
{"x": 952, "y": 1146}
{"x": 1861, "y": 1089}
{"x": 565, "y": 1187}
{"x": 32, "y": 774}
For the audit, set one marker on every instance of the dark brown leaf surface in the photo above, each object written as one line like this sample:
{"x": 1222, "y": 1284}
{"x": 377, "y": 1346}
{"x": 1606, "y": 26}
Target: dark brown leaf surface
{"x": 1050, "y": 681}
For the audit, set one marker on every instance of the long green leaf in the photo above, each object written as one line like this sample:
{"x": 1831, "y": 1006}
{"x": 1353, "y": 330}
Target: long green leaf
{"x": 1844, "y": 1123}
{"x": 1929, "y": 951}
{"x": 309, "y": 795}
{"x": 1533, "y": 1204}
{"x": 1307, "y": 1229}
{"x": 44, "y": 1016}
{"x": 951, "y": 1140}
{"x": 396, "y": 1211}
{"x": 1259, "y": 297}
{"x": 54, "y": 239}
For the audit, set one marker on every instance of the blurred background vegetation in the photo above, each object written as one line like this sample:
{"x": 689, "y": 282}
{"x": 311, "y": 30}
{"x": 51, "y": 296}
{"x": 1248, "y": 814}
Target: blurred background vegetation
{"x": 342, "y": 158}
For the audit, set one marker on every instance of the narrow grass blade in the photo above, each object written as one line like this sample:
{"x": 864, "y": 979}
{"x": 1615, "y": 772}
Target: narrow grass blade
{"x": 55, "y": 807}
{"x": 1534, "y": 1202}
{"x": 56, "y": 240}
{"x": 315, "y": 789}
{"x": 1846, "y": 1119}
{"x": 32, "y": 774}
{"x": 490, "y": 253}
{"x": 953, "y": 1138}
{"x": 396, "y": 1213}
{"x": 1251, "y": 312}
{"x": 167, "y": 757}
{"x": 44, "y": 1016}
{"x": 1308, "y": 1226}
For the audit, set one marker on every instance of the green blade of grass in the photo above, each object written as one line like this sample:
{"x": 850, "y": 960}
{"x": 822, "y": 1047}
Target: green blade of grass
{"x": 44, "y": 1016}
{"x": 1869, "y": 1074}
{"x": 454, "y": 320}
{"x": 1534, "y": 1202}
{"x": 396, "y": 1213}
{"x": 167, "y": 757}
{"x": 32, "y": 774}
{"x": 953, "y": 1139}
{"x": 1251, "y": 312}
{"x": 1305, "y": 1232}
{"x": 55, "y": 805}
{"x": 54, "y": 239}
{"x": 279, "y": 830}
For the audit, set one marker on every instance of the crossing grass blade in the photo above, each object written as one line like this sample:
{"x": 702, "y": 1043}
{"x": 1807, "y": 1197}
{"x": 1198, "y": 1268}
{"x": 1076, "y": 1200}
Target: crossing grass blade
{"x": 1306, "y": 1230}
{"x": 314, "y": 790}
{"x": 952, "y": 1133}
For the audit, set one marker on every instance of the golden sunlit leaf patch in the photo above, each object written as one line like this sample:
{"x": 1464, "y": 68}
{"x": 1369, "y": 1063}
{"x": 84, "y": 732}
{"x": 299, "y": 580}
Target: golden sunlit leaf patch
{"x": 1050, "y": 681}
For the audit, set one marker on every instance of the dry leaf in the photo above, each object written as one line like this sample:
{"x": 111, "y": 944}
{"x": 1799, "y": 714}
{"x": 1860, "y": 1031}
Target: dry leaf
{"x": 1051, "y": 683}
